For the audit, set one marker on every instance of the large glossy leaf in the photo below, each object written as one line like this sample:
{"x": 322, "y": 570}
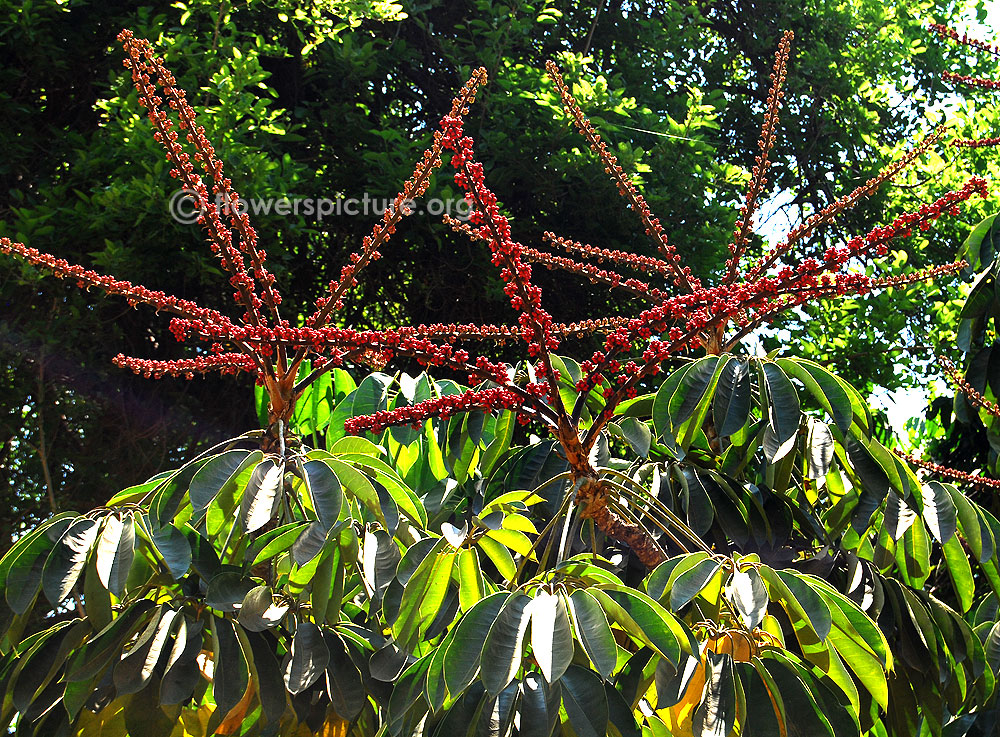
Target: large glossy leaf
{"x": 939, "y": 512}
{"x": 539, "y": 706}
{"x": 463, "y": 656}
{"x": 690, "y": 583}
{"x": 731, "y": 405}
{"x": 262, "y": 495}
{"x": 783, "y": 412}
{"x": 831, "y": 392}
{"x": 107, "y": 645}
{"x": 219, "y": 471}
{"x": 181, "y": 675}
{"x": 800, "y": 600}
{"x": 343, "y": 680}
{"x": 551, "y": 637}
{"x": 167, "y": 499}
{"x": 37, "y": 667}
{"x": 324, "y": 492}
{"x": 423, "y": 596}
{"x": 748, "y": 594}
{"x": 307, "y": 659}
{"x": 585, "y": 702}
{"x": 115, "y": 552}
{"x": 67, "y": 559}
{"x": 497, "y": 716}
{"x": 175, "y": 549}
{"x": 716, "y": 713}
{"x": 231, "y": 674}
{"x": 134, "y": 671}
{"x": 25, "y": 561}
{"x": 503, "y": 648}
{"x": 258, "y": 611}
{"x": 646, "y": 621}
{"x": 594, "y": 632}
{"x": 227, "y": 590}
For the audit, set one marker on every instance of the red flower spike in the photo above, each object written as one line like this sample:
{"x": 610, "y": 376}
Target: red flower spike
{"x": 948, "y": 473}
{"x": 758, "y": 178}
{"x": 682, "y": 274}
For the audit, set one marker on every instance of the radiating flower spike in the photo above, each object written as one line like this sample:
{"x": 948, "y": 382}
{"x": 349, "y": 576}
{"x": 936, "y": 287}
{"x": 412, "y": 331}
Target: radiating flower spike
{"x": 682, "y": 275}
{"x": 758, "y": 177}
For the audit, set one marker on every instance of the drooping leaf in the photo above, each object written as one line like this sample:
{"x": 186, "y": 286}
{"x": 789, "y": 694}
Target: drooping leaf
{"x": 503, "y": 647}
{"x": 551, "y": 637}
{"x": 463, "y": 656}
{"x": 690, "y": 583}
{"x": 307, "y": 659}
{"x": 343, "y": 679}
{"x": 585, "y": 702}
{"x": 175, "y": 549}
{"x": 593, "y": 632}
{"x": 67, "y": 559}
{"x": 783, "y": 412}
{"x": 115, "y": 552}
{"x": 227, "y": 590}
{"x": 423, "y": 596}
{"x": 258, "y": 611}
{"x": 325, "y": 492}
{"x": 716, "y": 713}
{"x": 939, "y": 512}
{"x": 262, "y": 495}
{"x": 747, "y": 592}
{"x": 539, "y": 706}
{"x": 216, "y": 474}
{"x": 181, "y": 675}
{"x": 731, "y": 406}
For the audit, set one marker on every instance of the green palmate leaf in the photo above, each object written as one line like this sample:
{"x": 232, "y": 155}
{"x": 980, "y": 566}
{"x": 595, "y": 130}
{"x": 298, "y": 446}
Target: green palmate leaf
{"x": 974, "y": 528}
{"x": 939, "y": 512}
{"x": 422, "y": 597}
{"x": 472, "y": 587}
{"x": 267, "y": 672}
{"x": 134, "y": 671}
{"x": 841, "y": 401}
{"x": 325, "y": 492}
{"x": 690, "y": 583}
{"x": 276, "y": 541}
{"x": 585, "y": 702}
{"x": 661, "y": 580}
{"x": 960, "y": 572}
{"x": 748, "y": 594}
{"x": 25, "y": 561}
{"x": 232, "y": 670}
{"x": 497, "y": 716}
{"x": 38, "y": 666}
{"x": 637, "y": 434}
{"x": 262, "y": 495}
{"x": 819, "y": 450}
{"x": 175, "y": 550}
{"x": 593, "y": 631}
{"x": 181, "y": 675}
{"x": 731, "y": 405}
{"x": 783, "y": 412}
{"x": 660, "y": 411}
{"x": 646, "y": 621}
{"x": 168, "y": 496}
{"x": 227, "y": 590}
{"x": 500, "y": 555}
{"x": 898, "y": 516}
{"x": 115, "y": 552}
{"x": 406, "y": 704}
{"x": 503, "y": 647}
{"x": 107, "y": 645}
{"x": 67, "y": 559}
{"x": 216, "y": 474}
{"x": 539, "y": 706}
{"x": 257, "y": 612}
{"x": 716, "y": 713}
{"x": 343, "y": 680}
{"x": 463, "y": 656}
{"x": 551, "y": 637}
{"x": 913, "y": 555}
{"x": 799, "y": 599}
{"x": 308, "y": 658}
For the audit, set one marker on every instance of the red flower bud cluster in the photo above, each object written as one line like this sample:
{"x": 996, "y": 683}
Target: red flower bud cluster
{"x": 984, "y": 83}
{"x": 645, "y": 264}
{"x": 488, "y": 400}
{"x": 961, "y": 383}
{"x": 226, "y": 363}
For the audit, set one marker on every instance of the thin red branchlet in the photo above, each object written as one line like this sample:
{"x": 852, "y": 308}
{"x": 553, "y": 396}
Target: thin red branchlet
{"x": 949, "y": 473}
{"x": 986, "y": 83}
